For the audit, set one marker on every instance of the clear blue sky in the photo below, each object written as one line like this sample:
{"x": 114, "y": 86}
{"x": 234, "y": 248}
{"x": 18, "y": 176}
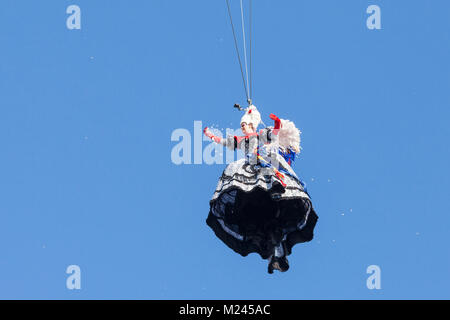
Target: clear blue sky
{"x": 86, "y": 176}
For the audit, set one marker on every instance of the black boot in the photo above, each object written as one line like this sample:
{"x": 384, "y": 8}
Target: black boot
{"x": 270, "y": 267}
{"x": 278, "y": 263}
{"x": 283, "y": 263}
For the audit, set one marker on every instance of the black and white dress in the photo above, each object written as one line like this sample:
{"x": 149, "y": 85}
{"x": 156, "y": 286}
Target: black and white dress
{"x": 251, "y": 211}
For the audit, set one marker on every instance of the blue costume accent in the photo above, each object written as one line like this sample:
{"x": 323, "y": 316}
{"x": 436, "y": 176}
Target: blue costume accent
{"x": 290, "y": 156}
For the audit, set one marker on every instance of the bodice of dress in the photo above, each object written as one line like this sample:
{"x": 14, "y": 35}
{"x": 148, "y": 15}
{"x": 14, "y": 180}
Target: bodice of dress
{"x": 249, "y": 144}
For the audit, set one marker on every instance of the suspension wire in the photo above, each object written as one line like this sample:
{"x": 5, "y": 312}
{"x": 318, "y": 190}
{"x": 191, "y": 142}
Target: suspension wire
{"x": 237, "y": 51}
{"x": 244, "y": 41}
{"x": 250, "y": 36}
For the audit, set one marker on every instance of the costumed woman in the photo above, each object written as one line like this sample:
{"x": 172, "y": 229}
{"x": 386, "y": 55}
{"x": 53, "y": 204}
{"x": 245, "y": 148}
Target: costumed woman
{"x": 260, "y": 205}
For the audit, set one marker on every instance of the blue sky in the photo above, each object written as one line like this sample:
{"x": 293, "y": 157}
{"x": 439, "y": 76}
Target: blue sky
{"x": 86, "y": 174}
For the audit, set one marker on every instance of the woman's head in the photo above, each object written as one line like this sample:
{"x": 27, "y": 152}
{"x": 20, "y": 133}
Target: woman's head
{"x": 250, "y": 119}
{"x": 247, "y": 128}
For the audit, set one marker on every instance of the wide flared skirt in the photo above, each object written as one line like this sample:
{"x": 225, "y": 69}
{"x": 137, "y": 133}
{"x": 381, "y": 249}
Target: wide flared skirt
{"x": 251, "y": 211}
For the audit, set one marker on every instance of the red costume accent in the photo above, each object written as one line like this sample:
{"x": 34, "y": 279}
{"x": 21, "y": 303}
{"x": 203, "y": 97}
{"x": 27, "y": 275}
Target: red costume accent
{"x": 240, "y": 138}
{"x": 277, "y": 125}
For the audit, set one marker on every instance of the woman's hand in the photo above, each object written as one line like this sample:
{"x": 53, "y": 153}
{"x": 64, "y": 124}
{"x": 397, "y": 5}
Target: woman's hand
{"x": 209, "y": 134}
{"x": 277, "y": 125}
{"x": 273, "y": 117}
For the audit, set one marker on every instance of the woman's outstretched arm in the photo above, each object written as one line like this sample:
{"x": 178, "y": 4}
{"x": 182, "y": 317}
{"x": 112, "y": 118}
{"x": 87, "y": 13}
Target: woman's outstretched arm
{"x": 229, "y": 143}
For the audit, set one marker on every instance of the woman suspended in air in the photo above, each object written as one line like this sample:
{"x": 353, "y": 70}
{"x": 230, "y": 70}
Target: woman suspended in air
{"x": 260, "y": 205}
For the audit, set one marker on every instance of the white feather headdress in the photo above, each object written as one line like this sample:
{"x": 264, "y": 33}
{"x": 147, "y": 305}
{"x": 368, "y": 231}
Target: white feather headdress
{"x": 289, "y": 136}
